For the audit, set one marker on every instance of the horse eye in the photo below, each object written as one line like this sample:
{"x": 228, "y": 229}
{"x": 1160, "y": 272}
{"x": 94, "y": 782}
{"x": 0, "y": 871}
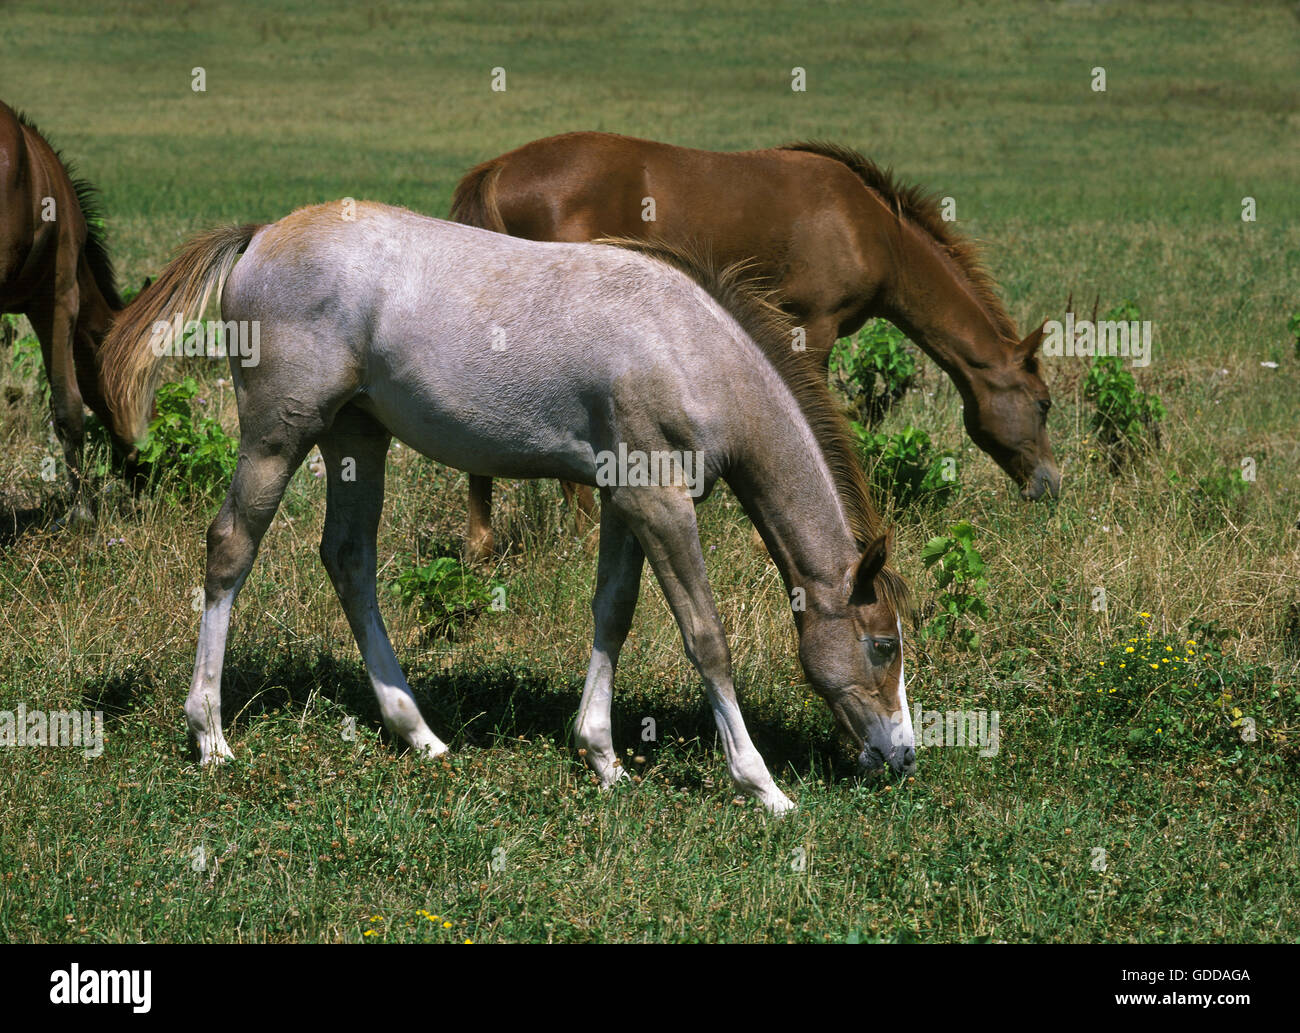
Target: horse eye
{"x": 887, "y": 646}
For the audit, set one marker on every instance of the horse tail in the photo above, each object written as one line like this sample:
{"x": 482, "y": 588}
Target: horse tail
{"x": 475, "y": 201}
{"x": 131, "y": 361}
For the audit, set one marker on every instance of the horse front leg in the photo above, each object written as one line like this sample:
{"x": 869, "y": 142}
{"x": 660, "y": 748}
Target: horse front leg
{"x": 663, "y": 520}
{"x": 618, "y": 582}
{"x": 55, "y": 324}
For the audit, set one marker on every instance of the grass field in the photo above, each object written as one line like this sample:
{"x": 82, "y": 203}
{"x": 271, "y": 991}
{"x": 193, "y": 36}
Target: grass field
{"x": 1138, "y": 815}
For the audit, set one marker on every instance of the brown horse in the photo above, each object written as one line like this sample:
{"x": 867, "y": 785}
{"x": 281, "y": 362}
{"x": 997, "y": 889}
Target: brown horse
{"x": 840, "y": 239}
{"x": 55, "y": 270}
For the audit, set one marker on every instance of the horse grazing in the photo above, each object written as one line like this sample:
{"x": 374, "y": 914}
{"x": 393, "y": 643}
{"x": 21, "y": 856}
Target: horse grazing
{"x": 839, "y": 238}
{"x": 635, "y": 369}
{"x": 55, "y": 270}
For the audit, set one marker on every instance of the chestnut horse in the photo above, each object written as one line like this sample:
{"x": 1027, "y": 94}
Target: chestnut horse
{"x": 55, "y": 270}
{"x": 840, "y": 239}
{"x": 510, "y": 358}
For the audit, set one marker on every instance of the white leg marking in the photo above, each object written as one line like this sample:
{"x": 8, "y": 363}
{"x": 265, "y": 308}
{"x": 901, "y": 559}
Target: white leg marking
{"x": 396, "y": 703}
{"x": 203, "y": 705}
{"x": 903, "y": 733}
{"x": 745, "y": 763}
{"x": 593, "y": 729}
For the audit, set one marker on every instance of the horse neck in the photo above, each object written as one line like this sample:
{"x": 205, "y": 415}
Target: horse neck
{"x": 929, "y": 297}
{"x": 94, "y": 317}
{"x": 786, "y": 489}
{"x": 94, "y": 313}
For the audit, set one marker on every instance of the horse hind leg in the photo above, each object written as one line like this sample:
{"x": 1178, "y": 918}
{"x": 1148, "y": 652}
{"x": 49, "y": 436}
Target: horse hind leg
{"x": 261, "y": 475}
{"x": 581, "y": 502}
{"x": 355, "y": 450}
{"x": 478, "y": 530}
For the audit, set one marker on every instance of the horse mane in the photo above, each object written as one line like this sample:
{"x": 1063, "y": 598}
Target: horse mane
{"x": 95, "y": 251}
{"x": 921, "y": 209}
{"x": 749, "y": 301}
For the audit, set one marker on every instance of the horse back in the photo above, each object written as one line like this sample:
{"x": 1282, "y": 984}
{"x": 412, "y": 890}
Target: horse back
{"x": 495, "y": 355}
{"x": 799, "y": 217}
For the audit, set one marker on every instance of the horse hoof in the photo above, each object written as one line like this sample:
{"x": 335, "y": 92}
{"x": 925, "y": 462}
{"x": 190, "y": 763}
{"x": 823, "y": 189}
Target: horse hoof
{"x": 215, "y": 757}
{"x": 612, "y": 776}
{"x": 779, "y": 804}
{"x": 478, "y": 552}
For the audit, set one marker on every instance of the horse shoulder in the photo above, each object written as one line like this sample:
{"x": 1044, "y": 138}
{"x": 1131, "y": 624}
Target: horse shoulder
{"x": 830, "y": 265}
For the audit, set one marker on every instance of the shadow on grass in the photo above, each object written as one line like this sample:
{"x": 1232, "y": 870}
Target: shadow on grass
{"x": 22, "y": 515}
{"x": 482, "y": 706}
{"x": 19, "y": 517}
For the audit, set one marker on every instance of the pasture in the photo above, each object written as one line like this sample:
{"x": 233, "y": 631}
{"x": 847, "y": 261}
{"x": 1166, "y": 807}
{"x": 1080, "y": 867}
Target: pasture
{"x": 1153, "y": 802}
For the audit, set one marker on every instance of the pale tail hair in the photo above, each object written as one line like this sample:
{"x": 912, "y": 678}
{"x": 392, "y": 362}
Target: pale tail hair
{"x": 130, "y": 368}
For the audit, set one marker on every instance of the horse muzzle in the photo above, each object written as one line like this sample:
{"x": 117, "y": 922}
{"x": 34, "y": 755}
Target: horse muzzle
{"x": 1045, "y": 480}
{"x": 900, "y": 759}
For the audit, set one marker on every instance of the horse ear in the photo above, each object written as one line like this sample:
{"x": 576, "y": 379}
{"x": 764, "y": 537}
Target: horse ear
{"x": 1030, "y": 344}
{"x": 862, "y": 575}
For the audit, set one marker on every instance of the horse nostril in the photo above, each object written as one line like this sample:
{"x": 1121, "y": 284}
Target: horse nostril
{"x": 909, "y": 757}
{"x": 1041, "y": 484}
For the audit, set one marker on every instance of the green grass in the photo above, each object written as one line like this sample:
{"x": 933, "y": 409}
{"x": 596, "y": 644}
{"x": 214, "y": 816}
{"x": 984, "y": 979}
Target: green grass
{"x": 315, "y": 834}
